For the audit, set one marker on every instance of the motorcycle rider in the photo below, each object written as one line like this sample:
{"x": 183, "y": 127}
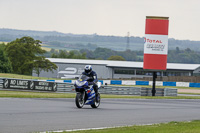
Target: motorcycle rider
{"x": 92, "y": 74}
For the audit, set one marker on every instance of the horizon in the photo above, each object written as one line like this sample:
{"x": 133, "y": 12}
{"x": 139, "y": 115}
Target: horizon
{"x": 91, "y": 34}
{"x": 105, "y": 17}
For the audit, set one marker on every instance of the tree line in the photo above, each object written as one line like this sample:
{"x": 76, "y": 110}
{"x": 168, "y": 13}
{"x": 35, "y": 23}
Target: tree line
{"x": 75, "y": 41}
{"x": 174, "y": 56}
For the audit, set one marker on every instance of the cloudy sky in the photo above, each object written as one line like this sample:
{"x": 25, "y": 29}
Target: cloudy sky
{"x": 104, "y": 17}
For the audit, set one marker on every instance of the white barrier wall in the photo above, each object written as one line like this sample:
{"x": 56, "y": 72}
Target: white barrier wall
{"x": 183, "y": 84}
{"x": 128, "y": 82}
{"x": 158, "y": 83}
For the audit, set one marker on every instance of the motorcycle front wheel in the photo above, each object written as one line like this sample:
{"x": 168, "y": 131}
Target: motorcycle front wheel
{"x": 80, "y": 99}
{"x": 97, "y": 101}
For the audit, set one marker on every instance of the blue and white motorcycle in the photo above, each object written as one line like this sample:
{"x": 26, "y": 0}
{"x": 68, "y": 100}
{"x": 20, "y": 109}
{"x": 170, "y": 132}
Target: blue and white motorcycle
{"x": 85, "y": 94}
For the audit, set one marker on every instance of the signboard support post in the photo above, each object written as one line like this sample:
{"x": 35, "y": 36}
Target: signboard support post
{"x": 154, "y": 84}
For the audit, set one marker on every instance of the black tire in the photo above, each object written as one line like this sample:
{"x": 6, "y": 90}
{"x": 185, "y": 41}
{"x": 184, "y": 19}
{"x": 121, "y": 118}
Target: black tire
{"x": 97, "y": 101}
{"x": 80, "y": 99}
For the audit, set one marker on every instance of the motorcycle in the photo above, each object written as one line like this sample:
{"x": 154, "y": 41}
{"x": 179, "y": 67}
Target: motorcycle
{"x": 85, "y": 94}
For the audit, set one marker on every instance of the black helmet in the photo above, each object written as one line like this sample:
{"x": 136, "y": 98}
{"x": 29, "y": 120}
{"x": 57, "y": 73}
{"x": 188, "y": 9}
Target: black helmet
{"x": 88, "y": 68}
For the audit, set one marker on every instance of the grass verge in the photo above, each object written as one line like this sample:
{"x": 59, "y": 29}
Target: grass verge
{"x": 24, "y": 94}
{"x": 172, "y": 127}
{"x": 189, "y": 93}
{"x": 17, "y": 76}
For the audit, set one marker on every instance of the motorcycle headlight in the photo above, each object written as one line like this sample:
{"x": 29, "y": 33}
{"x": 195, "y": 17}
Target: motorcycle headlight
{"x": 80, "y": 83}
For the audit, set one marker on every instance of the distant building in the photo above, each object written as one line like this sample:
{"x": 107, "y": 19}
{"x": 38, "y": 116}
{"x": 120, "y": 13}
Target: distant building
{"x": 106, "y": 69}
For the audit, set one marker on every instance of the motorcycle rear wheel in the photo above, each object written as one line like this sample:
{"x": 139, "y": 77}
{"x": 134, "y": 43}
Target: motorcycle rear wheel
{"x": 97, "y": 101}
{"x": 80, "y": 99}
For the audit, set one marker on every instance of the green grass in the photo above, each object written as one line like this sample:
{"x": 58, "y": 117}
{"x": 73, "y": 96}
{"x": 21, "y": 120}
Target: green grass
{"x": 25, "y": 94}
{"x": 172, "y": 127}
{"x": 17, "y": 76}
{"x": 189, "y": 93}
{"x": 22, "y": 94}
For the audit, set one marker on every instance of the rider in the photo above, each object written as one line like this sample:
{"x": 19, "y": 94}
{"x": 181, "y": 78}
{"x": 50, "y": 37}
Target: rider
{"x": 92, "y": 74}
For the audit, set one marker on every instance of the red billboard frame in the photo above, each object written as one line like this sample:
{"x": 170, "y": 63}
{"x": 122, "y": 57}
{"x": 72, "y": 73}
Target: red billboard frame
{"x": 156, "y": 43}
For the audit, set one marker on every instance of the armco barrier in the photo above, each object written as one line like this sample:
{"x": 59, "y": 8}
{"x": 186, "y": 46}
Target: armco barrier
{"x": 1, "y": 83}
{"x": 159, "y": 92}
{"x": 65, "y": 87}
{"x": 68, "y": 87}
{"x": 133, "y": 82}
{"x": 170, "y": 92}
{"x": 117, "y": 90}
{"x": 148, "y": 92}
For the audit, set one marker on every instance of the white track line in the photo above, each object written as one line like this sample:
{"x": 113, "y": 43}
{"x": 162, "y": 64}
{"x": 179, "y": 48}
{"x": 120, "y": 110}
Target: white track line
{"x": 72, "y": 130}
{"x": 60, "y": 131}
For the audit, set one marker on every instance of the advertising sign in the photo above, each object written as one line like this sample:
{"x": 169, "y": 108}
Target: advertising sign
{"x": 156, "y": 43}
{"x": 71, "y": 72}
{"x": 29, "y": 85}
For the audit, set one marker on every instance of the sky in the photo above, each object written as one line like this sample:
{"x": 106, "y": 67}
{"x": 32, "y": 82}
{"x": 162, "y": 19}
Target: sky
{"x": 103, "y": 17}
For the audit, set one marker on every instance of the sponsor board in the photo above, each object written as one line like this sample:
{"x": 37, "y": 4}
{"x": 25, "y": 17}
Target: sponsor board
{"x": 29, "y": 85}
{"x": 156, "y": 43}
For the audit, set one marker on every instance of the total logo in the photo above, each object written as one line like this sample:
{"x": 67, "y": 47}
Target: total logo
{"x": 152, "y": 41}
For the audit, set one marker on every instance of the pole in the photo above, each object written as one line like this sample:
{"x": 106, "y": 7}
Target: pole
{"x": 154, "y": 84}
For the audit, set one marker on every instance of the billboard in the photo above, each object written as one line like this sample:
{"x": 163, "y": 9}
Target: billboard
{"x": 156, "y": 43}
{"x": 29, "y": 85}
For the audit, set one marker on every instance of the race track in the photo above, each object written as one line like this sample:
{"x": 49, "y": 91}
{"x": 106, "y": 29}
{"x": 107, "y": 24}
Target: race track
{"x": 30, "y": 115}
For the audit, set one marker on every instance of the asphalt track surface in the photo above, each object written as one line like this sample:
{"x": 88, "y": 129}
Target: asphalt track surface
{"x": 31, "y": 115}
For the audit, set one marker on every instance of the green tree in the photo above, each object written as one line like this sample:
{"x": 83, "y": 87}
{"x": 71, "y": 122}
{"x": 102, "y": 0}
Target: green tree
{"x": 73, "y": 54}
{"x": 42, "y": 64}
{"x": 62, "y": 54}
{"x": 23, "y": 53}
{"x": 53, "y": 55}
{"x": 116, "y": 57}
{"x": 5, "y": 64}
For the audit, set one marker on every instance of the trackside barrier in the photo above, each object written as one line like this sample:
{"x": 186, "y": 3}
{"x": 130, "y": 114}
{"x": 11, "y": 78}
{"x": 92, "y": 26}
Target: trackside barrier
{"x": 159, "y": 92}
{"x": 118, "y": 90}
{"x": 170, "y": 92}
{"x": 148, "y": 92}
{"x": 1, "y": 83}
{"x": 65, "y": 87}
{"x": 68, "y": 87}
{"x": 133, "y": 82}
